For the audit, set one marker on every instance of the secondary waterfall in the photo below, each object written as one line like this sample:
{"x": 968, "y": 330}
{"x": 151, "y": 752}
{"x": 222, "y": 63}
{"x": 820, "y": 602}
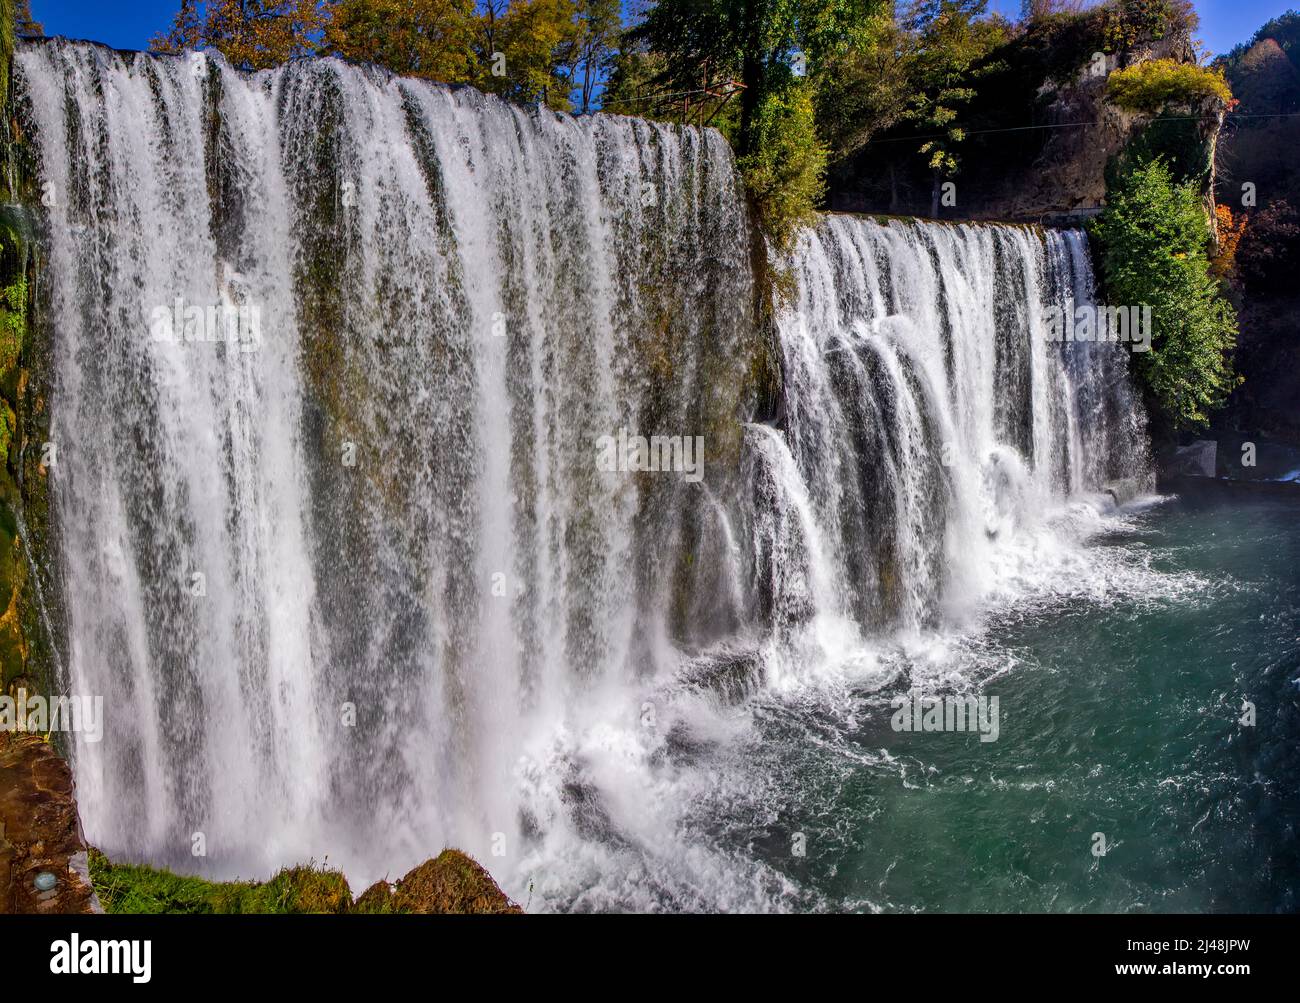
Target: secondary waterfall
{"x": 338, "y": 361}
{"x": 930, "y": 415}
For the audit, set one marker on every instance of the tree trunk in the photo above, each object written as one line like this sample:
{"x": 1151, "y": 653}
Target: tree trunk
{"x": 752, "y": 72}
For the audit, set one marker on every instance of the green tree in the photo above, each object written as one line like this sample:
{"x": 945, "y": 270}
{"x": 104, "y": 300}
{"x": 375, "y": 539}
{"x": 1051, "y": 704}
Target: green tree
{"x": 251, "y": 34}
{"x": 765, "y": 44}
{"x": 785, "y": 174}
{"x": 600, "y": 27}
{"x": 865, "y": 89}
{"x": 774, "y": 50}
{"x": 524, "y": 49}
{"x": 953, "y": 39}
{"x": 422, "y": 38}
{"x": 633, "y": 72}
{"x": 25, "y": 25}
{"x": 1154, "y": 239}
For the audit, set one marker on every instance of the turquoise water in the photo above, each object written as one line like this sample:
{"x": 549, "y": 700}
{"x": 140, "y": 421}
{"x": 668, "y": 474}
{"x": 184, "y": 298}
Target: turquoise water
{"x": 1120, "y": 698}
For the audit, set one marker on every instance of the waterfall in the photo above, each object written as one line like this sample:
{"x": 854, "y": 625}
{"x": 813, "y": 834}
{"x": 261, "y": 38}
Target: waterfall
{"x": 338, "y": 362}
{"x": 930, "y": 415}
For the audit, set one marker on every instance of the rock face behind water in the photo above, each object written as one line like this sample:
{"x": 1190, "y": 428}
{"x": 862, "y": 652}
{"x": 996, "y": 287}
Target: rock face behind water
{"x": 40, "y": 831}
{"x": 1195, "y": 460}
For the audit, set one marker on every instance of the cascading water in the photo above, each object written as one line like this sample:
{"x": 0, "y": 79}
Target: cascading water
{"x": 350, "y": 575}
{"x": 930, "y": 415}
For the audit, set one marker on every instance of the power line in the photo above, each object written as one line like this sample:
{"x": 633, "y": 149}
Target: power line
{"x": 1073, "y": 125}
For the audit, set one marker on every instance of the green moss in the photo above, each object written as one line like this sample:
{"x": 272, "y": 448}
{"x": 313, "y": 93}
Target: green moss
{"x": 130, "y": 888}
{"x": 450, "y": 883}
{"x": 13, "y": 585}
{"x": 7, "y": 42}
{"x": 14, "y": 578}
{"x": 13, "y": 319}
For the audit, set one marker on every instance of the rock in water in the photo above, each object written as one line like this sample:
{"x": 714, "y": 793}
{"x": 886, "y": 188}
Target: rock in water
{"x": 1195, "y": 460}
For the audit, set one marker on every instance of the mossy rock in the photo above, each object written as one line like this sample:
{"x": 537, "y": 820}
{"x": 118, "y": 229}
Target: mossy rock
{"x": 450, "y": 883}
{"x": 378, "y": 898}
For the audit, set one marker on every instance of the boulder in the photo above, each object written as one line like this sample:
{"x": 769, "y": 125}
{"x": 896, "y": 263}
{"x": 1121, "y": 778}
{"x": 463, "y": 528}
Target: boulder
{"x": 1195, "y": 460}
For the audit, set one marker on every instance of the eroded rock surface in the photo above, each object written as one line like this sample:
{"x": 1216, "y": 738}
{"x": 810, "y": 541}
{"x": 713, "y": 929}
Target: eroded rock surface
{"x": 40, "y": 832}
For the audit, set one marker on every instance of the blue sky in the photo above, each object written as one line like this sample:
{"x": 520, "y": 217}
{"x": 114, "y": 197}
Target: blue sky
{"x": 130, "y": 24}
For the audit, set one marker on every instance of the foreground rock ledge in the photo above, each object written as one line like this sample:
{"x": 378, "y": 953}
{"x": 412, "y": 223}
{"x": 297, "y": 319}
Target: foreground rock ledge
{"x": 40, "y": 831}
{"x": 449, "y": 883}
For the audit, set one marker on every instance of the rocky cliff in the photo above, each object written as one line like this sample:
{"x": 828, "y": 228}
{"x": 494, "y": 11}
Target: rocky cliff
{"x": 43, "y": 856}
{"x": 1041, "y": 133}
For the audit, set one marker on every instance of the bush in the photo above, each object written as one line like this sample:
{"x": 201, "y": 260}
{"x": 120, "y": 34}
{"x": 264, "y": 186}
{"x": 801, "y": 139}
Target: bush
{"x": 1230, "y": 230}
{"x": 786, "y": 175}
{"x": 1153, "y": 238}
{"x": 1125, "y": 23}
{"x": 1150, "y": 86}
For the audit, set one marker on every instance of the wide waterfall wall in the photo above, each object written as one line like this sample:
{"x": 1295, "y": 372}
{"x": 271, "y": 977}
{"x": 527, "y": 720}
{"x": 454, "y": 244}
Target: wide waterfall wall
{"x": 323, "y": 557}
{"x": 358, "y": 538}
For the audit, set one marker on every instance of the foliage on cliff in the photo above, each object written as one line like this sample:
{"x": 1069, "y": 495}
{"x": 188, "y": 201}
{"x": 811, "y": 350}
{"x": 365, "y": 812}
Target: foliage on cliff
{"x": 13, "y": 327}
{"x": 751, "y": 69}
{"x": 785, "y": 175}
{"x": 1020, "y": 127}
{"x": 23, "y": 652}
{"x": 1154, "y": 239}
{"x": 1230, "y": 230}
{"x": 1268, "y": 256}
{"x": 1150, "y": 86}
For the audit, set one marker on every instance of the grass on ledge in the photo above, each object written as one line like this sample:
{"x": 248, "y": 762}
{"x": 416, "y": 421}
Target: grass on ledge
{"x": 129, "y": 888}
{"x": 450, "y": 883}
